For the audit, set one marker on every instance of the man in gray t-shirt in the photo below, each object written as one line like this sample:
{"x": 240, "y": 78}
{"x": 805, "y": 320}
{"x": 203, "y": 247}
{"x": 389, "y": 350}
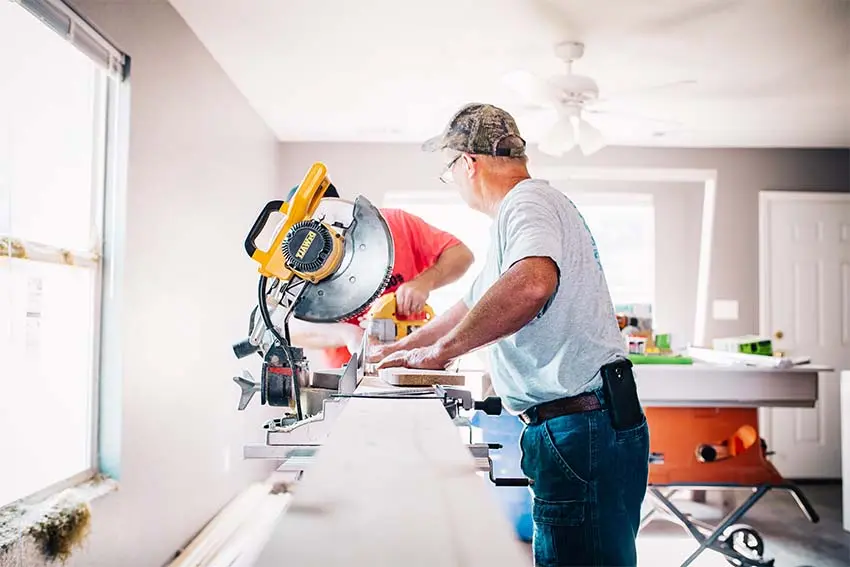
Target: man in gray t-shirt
{"x": 558, "y": 353}
{"x": 542, "y": 308}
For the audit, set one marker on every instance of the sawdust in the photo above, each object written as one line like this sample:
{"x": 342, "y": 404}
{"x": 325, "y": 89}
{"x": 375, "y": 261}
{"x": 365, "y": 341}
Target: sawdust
{"x": 59, "y": 535}
{"x": 55, "y": 534}
{"x": 53, "y": 528}
{"x": 10, "y": 517}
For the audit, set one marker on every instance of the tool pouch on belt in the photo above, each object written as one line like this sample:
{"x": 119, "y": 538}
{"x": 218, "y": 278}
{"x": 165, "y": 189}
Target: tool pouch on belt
{"x": 618, "y": 386}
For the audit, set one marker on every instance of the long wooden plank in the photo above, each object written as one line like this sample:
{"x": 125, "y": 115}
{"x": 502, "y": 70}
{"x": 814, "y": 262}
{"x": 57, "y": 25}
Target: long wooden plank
{"x": 394, "y": 485}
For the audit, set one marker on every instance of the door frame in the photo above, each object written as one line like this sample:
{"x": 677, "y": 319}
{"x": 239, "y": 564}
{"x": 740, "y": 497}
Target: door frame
{"x": 767, "y": 196}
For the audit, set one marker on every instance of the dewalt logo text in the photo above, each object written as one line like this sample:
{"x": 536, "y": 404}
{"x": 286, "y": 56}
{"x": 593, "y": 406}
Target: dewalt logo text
{"x": 308, "y": 240}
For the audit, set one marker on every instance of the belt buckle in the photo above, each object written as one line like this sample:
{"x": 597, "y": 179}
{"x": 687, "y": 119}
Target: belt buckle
{"x": 526, "y": 416}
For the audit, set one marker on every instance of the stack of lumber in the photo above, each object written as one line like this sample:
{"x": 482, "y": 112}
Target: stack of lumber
{"x": 237, "y": 534}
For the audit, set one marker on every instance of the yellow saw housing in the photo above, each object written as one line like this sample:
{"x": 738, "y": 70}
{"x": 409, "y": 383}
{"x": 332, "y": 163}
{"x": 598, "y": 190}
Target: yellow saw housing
{"x": 302, "y": 246}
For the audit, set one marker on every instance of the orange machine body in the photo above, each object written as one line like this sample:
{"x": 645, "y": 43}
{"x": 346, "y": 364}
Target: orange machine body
{"x": 676, "y": 433}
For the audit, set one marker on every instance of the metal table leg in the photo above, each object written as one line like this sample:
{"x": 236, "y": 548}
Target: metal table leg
{"x": 732, "y": 518}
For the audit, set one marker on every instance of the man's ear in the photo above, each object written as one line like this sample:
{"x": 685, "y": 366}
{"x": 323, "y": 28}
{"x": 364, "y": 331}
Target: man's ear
{"x": 471, "y": 165}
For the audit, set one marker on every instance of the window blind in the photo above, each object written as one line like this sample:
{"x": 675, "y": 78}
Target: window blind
{"x": 60, "y": 17}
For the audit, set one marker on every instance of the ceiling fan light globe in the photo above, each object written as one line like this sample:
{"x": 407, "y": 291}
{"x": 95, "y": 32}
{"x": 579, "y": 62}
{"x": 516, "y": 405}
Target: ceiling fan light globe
{"x": 560, "y": 139}
{"x": 590, "y": 140}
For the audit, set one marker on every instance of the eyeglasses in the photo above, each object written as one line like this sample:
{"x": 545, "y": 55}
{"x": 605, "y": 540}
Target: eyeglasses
{"x": 446, "y": 176}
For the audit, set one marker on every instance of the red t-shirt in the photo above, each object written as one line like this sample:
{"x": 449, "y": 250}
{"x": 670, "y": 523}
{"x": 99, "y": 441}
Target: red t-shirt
{"x": 418, "y": 245}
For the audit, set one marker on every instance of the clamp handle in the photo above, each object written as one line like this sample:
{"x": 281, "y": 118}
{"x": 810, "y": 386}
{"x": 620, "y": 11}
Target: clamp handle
{"x": 506, "y": 481}
{"x": 491, "y": 405}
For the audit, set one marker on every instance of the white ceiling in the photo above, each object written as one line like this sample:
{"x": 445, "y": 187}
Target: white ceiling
{"x": 769, "y": 73}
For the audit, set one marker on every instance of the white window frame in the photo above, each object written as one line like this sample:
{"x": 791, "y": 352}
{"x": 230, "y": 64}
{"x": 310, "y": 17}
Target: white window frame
{"x": 109, "y": 124}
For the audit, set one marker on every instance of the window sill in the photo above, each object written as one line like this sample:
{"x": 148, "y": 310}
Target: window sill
{"x": 52, "y": 527}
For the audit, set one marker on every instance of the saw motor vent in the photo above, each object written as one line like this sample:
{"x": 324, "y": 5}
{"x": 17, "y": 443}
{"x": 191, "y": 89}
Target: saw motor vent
{"x": 307, "y": 246}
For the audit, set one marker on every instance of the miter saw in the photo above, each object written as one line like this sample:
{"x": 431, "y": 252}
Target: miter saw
{"x": 327, "y": 261}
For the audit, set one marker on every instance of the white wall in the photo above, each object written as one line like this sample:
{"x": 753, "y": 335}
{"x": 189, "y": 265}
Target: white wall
{"x": 374, "y": 169}
{"x": 201, "y": 165}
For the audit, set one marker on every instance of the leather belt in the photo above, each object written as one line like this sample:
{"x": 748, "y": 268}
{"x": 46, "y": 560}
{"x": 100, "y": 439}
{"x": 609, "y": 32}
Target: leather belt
{"x": 560, "y": 407}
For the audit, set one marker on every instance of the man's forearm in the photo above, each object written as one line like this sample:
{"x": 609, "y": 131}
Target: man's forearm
{"x": 509, "y": 304}
{"x": 450, "y": 266}
{"x": 436, "y": 329}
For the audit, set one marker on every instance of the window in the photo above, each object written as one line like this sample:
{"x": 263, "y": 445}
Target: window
{"x": 623, "y": 225}
{"x": 447, "y": 211}
{"x": 54, "y": 120}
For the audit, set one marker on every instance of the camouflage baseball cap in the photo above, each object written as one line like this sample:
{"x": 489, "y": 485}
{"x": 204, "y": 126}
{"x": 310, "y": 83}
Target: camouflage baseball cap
{"x": 480, "y": 129}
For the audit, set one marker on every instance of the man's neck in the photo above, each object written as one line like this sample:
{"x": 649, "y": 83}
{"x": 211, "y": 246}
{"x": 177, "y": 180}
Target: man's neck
{"x": 496, "y": 189}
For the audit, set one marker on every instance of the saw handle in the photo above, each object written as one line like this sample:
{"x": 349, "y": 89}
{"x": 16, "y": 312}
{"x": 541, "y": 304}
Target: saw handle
{"x": 260, "y": 224}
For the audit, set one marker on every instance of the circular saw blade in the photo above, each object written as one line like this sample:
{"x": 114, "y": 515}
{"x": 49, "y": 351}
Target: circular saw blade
{"x": 364, "y": 271}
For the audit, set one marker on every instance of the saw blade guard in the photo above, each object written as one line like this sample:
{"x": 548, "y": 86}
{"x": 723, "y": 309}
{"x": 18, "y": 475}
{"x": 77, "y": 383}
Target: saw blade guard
{"x": 363, "y": 272}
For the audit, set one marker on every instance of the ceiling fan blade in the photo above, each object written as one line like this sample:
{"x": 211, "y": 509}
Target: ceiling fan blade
{"x": 632, "y": 116}
{"x": 532, "y": 88}
{"x": 648, "y": 90}
{"x": 560, "y": 138}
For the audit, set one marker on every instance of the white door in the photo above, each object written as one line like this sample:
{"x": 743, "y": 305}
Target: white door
{"x": 805, "y": 306}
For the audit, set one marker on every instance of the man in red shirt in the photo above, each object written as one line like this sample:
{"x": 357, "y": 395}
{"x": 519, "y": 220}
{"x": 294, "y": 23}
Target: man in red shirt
{"x": 426, "y": 258}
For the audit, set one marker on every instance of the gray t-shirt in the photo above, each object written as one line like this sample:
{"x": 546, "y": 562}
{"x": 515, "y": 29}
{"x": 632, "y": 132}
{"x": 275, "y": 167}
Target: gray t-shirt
{"x": 559, "y": 353}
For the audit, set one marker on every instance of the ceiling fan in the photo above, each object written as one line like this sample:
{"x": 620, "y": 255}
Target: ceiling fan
{"x": 574, "y": 98}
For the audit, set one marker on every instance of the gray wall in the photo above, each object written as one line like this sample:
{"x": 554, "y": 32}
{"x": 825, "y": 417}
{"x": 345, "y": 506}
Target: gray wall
{"x": 200, "y": 164}
{"x": 374, "y": 169}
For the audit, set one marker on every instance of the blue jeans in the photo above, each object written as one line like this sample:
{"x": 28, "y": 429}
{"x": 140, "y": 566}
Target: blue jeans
{"x": 589, "y": 481}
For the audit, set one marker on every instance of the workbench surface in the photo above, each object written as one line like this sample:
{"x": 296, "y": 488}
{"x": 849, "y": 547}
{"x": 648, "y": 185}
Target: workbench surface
{"x": 393, "y": 486}
{"x": 714, "y": 385}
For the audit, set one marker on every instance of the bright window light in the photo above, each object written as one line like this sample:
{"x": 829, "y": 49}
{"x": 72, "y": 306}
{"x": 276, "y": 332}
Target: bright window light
{"x": 623, "y": 225}
{"x": 53, "y": 117}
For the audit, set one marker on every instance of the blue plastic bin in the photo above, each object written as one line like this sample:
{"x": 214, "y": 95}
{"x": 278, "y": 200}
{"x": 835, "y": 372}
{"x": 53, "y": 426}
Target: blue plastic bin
{"x": 515, "y": 500}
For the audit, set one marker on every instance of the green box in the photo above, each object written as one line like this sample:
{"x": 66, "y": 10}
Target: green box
{"x": 747, "y": 344}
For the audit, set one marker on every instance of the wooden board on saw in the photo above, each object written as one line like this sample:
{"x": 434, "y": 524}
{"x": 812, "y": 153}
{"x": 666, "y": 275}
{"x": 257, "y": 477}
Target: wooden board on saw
{"x": 419, "y": 377}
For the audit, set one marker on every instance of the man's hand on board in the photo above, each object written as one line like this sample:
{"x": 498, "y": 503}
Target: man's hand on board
{"x": 428, "y": 358}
